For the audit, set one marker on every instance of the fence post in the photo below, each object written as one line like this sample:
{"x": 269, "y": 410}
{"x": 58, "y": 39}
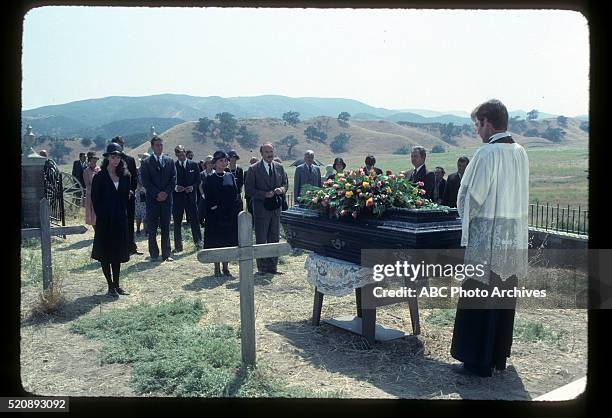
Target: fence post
{"x": 45, "y": 244}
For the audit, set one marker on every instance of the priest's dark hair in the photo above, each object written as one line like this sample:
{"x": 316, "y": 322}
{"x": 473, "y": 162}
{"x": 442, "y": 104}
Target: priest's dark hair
{"x": 463, "y": 159}
{"x": 494, "y": 111}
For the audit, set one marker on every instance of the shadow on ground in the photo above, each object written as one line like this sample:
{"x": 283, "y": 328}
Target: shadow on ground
{"x": 399, "y": 367}
{"x": 77, "y": 245}
{"x": 71, "y": 311}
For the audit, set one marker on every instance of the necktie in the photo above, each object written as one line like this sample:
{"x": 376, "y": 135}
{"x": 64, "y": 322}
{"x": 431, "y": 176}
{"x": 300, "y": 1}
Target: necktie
{"x": 270, "y": 172}
{"x": 310, "y": 169}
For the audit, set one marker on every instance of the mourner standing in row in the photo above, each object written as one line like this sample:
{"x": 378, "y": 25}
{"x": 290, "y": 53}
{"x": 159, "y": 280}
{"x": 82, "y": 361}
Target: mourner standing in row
{"x": 221, "y": 196}
{"x": 306, "y": 173}
{"x": 339, "y": 166}
{"x": 266, "y": 182}
{"x": 370, "y": 164}
{"x": 110, "y": 192}
{"x": 238, "y": 174}
{"x": 158, "y": 175}
{"x": 493, "y": 203}
{"x": 420, "y": 173}
{"x": 453, "y": 182}
{"x": 140, "y": 213}
{"x": 184, "y": 199}
{"x": 440, "y": 184}
{"x": 207, "y": 170}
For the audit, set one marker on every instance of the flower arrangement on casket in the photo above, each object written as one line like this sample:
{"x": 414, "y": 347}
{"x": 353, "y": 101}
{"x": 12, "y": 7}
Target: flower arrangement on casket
{"x": 354, "y": 193}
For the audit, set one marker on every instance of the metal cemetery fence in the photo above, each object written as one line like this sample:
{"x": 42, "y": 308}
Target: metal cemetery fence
{"x": 559, "y": 218}
{"x": 54, "y": 193}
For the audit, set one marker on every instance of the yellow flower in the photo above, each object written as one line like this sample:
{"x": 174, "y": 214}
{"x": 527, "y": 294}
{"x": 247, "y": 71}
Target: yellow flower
{"x": 349, "y": 194}
{"x": 388, "y": 189}
{"x": 358, "y": 190}
{"x": 347, "y": 185}
{"x": 366, "y": 184}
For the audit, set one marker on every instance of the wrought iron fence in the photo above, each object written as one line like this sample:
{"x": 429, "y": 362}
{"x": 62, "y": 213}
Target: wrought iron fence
{"x": 559, "y": 218}
{"x": 54, "y": 193}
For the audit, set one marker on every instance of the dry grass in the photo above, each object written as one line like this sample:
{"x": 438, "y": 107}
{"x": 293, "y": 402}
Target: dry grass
{"x": 50, "y": 300}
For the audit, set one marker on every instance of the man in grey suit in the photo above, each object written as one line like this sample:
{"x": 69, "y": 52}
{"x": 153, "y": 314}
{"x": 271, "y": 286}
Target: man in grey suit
{"x": 158, "y": 176}
{"x": 266, "y": 180}
{"x": 306, "y": 173}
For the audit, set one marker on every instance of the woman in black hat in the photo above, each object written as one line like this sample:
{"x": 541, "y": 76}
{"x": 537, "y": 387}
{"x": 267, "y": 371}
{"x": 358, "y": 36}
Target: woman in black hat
{"x": 339, "y": 166}
{"x": 222, "y": 197}
{"x": 110, "y": 191}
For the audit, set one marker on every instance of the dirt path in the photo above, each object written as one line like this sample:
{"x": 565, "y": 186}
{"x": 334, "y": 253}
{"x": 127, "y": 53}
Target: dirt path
{"x": 56, "y": 361}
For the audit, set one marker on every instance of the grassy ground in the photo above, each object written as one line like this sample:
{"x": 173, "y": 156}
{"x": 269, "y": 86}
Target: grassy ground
{"x": 159, "y": 340}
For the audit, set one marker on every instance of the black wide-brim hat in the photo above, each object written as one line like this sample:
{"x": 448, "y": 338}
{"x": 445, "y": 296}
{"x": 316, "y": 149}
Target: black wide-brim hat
{"x": 233, "y": 153}
{"x": 341, "y": 161}
{"x": 113, "y": 148}
{"x": 218, "y": 155}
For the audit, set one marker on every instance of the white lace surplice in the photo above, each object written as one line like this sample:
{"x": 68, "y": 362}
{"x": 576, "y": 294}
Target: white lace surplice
{"x": 336, "y": 277}
{"x": 493, "y": 203}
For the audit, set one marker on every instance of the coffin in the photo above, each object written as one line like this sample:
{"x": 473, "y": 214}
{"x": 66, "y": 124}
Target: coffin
{"x": 345, "y": 238}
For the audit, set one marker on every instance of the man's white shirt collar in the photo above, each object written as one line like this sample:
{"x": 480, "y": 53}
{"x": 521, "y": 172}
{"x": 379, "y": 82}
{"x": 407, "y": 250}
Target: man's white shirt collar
{"x": 416, "y": 170}
{"x": 497, "y": 136}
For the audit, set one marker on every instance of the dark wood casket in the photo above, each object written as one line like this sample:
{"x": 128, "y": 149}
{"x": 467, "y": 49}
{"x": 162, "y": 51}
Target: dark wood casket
{"x": 396, "y": 229}
{"x": 345, "y": 238}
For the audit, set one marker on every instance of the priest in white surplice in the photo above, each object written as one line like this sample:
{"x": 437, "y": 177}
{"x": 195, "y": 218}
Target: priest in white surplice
{"x": 493, "y": 201}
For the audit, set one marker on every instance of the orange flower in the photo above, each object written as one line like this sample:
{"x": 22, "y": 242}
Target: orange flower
{"x": 370, "y": 202}
{"x": 418, "y": 202}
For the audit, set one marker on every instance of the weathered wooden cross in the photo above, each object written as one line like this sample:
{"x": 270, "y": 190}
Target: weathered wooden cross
{"x": 245, "y": 253}
{"x": 44, "y": 233}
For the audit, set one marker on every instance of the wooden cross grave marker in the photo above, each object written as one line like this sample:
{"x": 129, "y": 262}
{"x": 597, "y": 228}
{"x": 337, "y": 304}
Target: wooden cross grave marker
{"x": 44, "y": 233}
{"x": 245, "y": 253}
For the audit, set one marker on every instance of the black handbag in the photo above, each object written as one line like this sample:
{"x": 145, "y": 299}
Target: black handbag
{"x": 285, "y": 206}
{"x": 273, "y": 203}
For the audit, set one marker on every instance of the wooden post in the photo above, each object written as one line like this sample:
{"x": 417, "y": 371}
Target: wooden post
{"x": 247, "y": 293}
{"x": 45, "y": 244}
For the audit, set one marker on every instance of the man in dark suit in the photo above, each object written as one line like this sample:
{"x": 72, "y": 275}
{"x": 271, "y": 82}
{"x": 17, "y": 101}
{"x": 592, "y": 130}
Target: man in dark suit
{"x": 420, "y": 173}
{"x": 78, "y": 167}
{"x": 184, "y": 199}
{"x": 439, "y": 186}
{"x": 158, "y": 176}
{"x": 266, "y": 180}
{"x": 306, "y": 173}
{"x": 453, "y": 183}
{"x": 370, "y": 163}
{"x": 131, "y": 208}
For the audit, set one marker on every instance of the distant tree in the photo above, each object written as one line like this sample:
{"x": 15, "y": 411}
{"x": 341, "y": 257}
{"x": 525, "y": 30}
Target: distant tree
{"x": 205, "y": 126}
{"x": 246, "y": 138}
{"x": 315, "y": 134}
{"x": 516, "y": 124}
{"x": 448, "y": 131}
{"x": 533, "y": 114}
{"x": 86, "y": 142}
{"x": 339, "y": 142}
{"x": 289, "y": 141}
{"x": 553, "y": 134}
{"x": 291, "y": 117}
{"x": 584, "y": 126}
{"x": 562, "y": 121}
{"x": 100, "y": 142}
{"x": 403, "y": 150}
{"x": 343, "y": 118}
{"x": 437, "y": 149}
{"x": 57, "y": 151}
{"x": 228, "y": 126}
{"x": 531, "y": 133}
{"x": 323, "y": 127}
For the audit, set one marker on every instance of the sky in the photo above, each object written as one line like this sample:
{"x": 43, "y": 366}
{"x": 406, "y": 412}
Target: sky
{"x": 444, "y": 60}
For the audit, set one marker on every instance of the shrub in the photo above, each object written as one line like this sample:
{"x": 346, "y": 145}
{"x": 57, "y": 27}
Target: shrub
{"x": 403, "y": 150}
{"x": 437, "y": 149}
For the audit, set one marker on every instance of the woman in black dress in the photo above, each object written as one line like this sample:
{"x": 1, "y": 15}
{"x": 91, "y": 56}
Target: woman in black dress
{"x": 110, "y": 191}
{"x": 222, "y": 202}
{"x": 339, "y": 166}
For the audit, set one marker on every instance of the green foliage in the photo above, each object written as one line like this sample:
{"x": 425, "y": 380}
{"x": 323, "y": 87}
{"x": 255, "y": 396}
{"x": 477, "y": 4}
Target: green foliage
{"x": 531, "y": 133}
{"x": 291, "y": 117}
{"x": 553, "y": 134}
{"x": 343, "y": 118}
{"x": 441, "y": 317}
{"x": 403, "y": 150}
{"x": 516, "y": 124}
{"x": 228, "y": 126}
{"x": 246, "y": 138}
{"x": 57, "y": 151}
{"x": 562, "y": 121}
{"x": 448, "y": 131}
{"x": 533, "y": 114}
{"x": 99, "y": 142}
{"x": 289, "y": 141}
{"x": 315, "y": 134}
{"x": 339, "y": 142}
{"x": 171, "y": 354}
{"x": 437, "y": 149}
{"x": 86, "y": 142}
{"x": 534, "y": 331}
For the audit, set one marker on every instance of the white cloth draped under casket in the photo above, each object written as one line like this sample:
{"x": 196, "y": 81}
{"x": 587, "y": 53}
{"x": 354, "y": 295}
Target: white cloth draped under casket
{"x": 336, "y": 277}
{"x": 493, "y": 203}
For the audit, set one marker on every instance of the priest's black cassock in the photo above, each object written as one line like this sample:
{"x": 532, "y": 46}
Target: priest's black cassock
{"x": 493, "y": 201}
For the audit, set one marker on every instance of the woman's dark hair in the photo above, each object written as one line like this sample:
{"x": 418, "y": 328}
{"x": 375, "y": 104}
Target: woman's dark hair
{"x": 121, "y": 170}
{"x": 370, "y": 160}
{"x": 339, "y": 160}
{"x": 494, "y": 111}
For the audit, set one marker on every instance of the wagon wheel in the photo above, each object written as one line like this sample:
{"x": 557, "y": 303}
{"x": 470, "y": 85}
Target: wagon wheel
{"x": 73, "y": 192}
